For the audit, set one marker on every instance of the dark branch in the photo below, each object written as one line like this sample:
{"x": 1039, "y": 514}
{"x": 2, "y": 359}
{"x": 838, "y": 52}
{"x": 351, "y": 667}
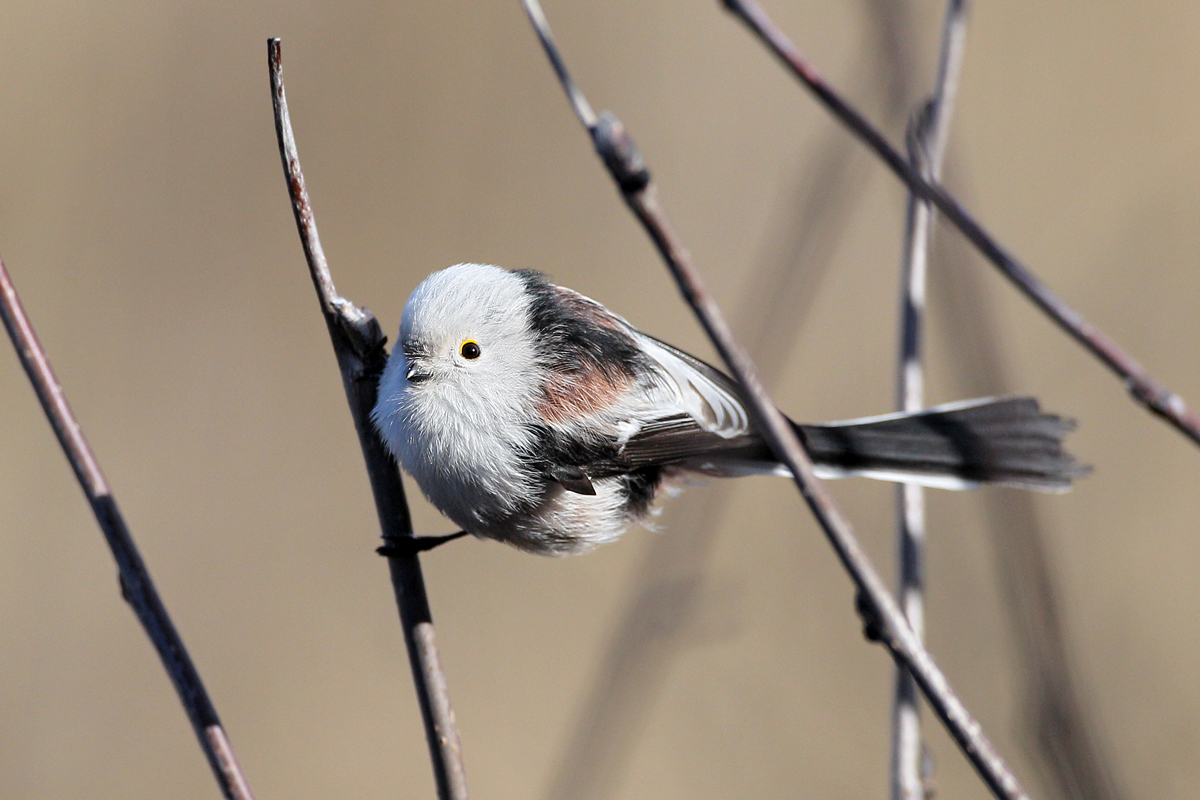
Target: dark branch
{"x": 1144, "y": 387}
{"x": 613, "y": 144}
{"x": 673, "y": 604}
{"x": 136, "y": 586}
{"x": 358, "y": 344}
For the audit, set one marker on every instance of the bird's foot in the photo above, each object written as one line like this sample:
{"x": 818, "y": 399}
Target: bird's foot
{"x": 411, "y": 545}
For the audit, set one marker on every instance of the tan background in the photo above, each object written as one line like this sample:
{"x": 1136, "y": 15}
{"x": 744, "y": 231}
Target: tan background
{"x": 145, "y": 221}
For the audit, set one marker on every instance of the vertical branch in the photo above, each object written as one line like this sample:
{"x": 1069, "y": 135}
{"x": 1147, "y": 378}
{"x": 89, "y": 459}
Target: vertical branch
{"x": 136, "y": 586}
{"x": 358, "y": 344}
{"x": 927, "y": 137}
{"x": 627, "y": 168}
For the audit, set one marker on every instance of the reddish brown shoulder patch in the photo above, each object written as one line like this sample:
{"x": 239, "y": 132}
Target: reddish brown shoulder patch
{"x": 568, "y": 396}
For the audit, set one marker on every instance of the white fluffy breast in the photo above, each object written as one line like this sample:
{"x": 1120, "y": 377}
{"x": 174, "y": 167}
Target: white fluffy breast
{"x": 467, "y": 463}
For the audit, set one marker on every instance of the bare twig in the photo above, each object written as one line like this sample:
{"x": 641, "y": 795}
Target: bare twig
{"x": 671, "y": 593}
{"x": 625, "y": 164}
{"x": 358, "y": 344}
{"x": 669, "y": 608}
{"x": 1143, "y": 386}
{"x": 927, "y": 145}
{"x": 136, "y": 585}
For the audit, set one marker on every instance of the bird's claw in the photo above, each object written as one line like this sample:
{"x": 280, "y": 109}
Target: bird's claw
{"x": 411, "y": 545}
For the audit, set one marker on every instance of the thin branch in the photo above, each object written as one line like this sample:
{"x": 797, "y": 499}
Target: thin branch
{"x": 136, "y": 585}
{"x": 620, "y": 155}
{"x": 671, "y": 604}
{"x": 927, "y": 146}
{"x": 665, "y": 609}
{"x": 359, "y": 345}
{"x": 1144, "y": 387}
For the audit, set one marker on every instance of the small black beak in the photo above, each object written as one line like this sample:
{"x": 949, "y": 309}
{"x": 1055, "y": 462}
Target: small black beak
{"x": 415, "y": 375}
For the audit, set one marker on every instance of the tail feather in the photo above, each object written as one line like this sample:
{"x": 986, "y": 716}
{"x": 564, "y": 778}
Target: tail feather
{"x": 1006, "y": 441}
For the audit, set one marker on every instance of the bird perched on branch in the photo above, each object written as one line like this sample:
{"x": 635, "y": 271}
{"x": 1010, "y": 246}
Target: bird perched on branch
{"x": 530, "y": 414}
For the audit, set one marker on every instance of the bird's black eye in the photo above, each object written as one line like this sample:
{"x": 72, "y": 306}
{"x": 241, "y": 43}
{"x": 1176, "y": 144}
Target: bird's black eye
{"x": 470, "y": 350}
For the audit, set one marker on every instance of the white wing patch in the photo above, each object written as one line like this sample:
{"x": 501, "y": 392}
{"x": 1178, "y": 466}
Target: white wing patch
{"x": 685, "y": 379}
{"x": 713, "y": 406}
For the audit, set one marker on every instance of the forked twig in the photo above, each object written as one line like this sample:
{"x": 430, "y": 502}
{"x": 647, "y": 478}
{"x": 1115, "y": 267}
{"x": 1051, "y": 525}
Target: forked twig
{"x": 1143, "y": 386}
{"x": 136, "y": 585}
{"x": 358, "y": 344}
{"x": 624, "y": 162}
{"x": 927, "y": 137}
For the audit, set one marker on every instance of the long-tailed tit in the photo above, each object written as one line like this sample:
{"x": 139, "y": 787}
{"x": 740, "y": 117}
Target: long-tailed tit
{"x": 530, "y": 414}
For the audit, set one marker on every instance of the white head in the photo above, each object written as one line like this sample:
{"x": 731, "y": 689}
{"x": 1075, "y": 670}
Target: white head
{"x": 458, "y": 391}
{"x": 467, "y": 325}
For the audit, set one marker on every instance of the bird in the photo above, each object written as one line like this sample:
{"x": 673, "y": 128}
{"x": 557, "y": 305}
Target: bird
{"x": 530, "y": 414}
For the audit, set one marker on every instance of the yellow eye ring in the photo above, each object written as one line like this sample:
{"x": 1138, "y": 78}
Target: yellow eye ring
{"x": 470, "y": 350}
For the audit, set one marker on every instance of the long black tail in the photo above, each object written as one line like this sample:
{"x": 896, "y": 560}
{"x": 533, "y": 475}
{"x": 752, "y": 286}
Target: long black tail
{"x": 998, "y": 440}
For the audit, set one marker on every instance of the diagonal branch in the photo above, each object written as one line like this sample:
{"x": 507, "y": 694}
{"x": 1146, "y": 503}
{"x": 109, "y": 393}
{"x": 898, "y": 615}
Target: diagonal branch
{"x": 670, "y": 605}
{"x": 1061, "y": 734}
{"x": 927, "y": 146}
{"x": 136, "y": 586}
{"x": 1143, "y": 386}
{"x": 625, "y": 164}
{"x": 358, "y": 344}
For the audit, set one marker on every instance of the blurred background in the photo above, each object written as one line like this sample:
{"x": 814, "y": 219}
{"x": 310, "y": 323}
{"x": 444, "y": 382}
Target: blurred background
{"x": 145, "y": 221}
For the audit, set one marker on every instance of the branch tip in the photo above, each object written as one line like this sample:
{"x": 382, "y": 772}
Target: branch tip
{"x": 359, "y": 345}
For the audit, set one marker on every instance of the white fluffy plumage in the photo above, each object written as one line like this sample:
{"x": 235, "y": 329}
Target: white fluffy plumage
{"x": 468, "y": 429}
{"x": 444, "y": 432}
{"x": 530, "y": 414}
